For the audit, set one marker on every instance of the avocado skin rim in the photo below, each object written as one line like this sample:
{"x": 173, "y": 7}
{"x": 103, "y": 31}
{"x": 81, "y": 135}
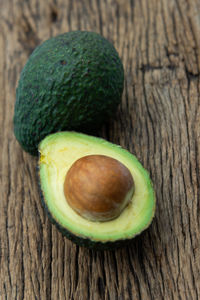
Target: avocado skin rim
{"x": 81, "y": 241}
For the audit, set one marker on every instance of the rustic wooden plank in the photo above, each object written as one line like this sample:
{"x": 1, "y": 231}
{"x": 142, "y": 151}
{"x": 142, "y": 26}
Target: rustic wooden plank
{"x": 158, "y": 121}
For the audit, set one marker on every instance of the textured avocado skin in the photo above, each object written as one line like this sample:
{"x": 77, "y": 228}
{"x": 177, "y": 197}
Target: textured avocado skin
{"x": 73, "y": 81}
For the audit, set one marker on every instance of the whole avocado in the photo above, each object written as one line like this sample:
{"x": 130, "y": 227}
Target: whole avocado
{"x": 73, "y": 81}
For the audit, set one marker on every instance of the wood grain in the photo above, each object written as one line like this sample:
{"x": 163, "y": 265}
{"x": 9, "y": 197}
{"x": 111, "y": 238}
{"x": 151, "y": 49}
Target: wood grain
{"x": 159, "y": 119}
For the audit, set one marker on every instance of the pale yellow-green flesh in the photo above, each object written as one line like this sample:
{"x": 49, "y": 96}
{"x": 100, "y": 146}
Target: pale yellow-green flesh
{"x": 58, "y": 152}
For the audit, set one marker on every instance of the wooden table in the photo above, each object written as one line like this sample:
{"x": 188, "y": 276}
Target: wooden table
{"x": 158, "y": 121}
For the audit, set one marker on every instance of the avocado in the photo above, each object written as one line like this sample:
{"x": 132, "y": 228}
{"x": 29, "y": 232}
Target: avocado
{"x": 73, "y": 81}
{"x": 58, "y": 153}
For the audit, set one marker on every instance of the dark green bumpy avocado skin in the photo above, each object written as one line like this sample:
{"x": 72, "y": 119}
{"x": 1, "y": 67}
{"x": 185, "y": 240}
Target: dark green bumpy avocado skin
{"x": 73, "y": 81}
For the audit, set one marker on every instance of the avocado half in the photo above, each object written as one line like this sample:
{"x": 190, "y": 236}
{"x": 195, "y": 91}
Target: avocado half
{"x": 57, "y": 154}
{"x": 73, "y": 81}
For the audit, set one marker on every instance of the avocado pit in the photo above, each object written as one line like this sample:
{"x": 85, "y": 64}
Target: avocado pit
{"x": 98, "y": 187}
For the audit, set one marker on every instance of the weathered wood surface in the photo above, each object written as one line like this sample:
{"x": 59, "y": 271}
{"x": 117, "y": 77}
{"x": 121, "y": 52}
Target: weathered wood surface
{"x": 159, "y": 42}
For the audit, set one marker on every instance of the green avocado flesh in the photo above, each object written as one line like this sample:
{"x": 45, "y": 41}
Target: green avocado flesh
{"x": 73, "y": 81}
{"x": 57, "y": 153}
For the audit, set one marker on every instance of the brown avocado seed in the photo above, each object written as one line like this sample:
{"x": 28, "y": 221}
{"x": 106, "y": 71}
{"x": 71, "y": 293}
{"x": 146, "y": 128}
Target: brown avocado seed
{"x": 98, "y": 187}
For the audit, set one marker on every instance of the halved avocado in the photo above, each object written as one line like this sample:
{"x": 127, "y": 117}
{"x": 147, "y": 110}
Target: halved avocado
{"x": 58, "y": 152}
